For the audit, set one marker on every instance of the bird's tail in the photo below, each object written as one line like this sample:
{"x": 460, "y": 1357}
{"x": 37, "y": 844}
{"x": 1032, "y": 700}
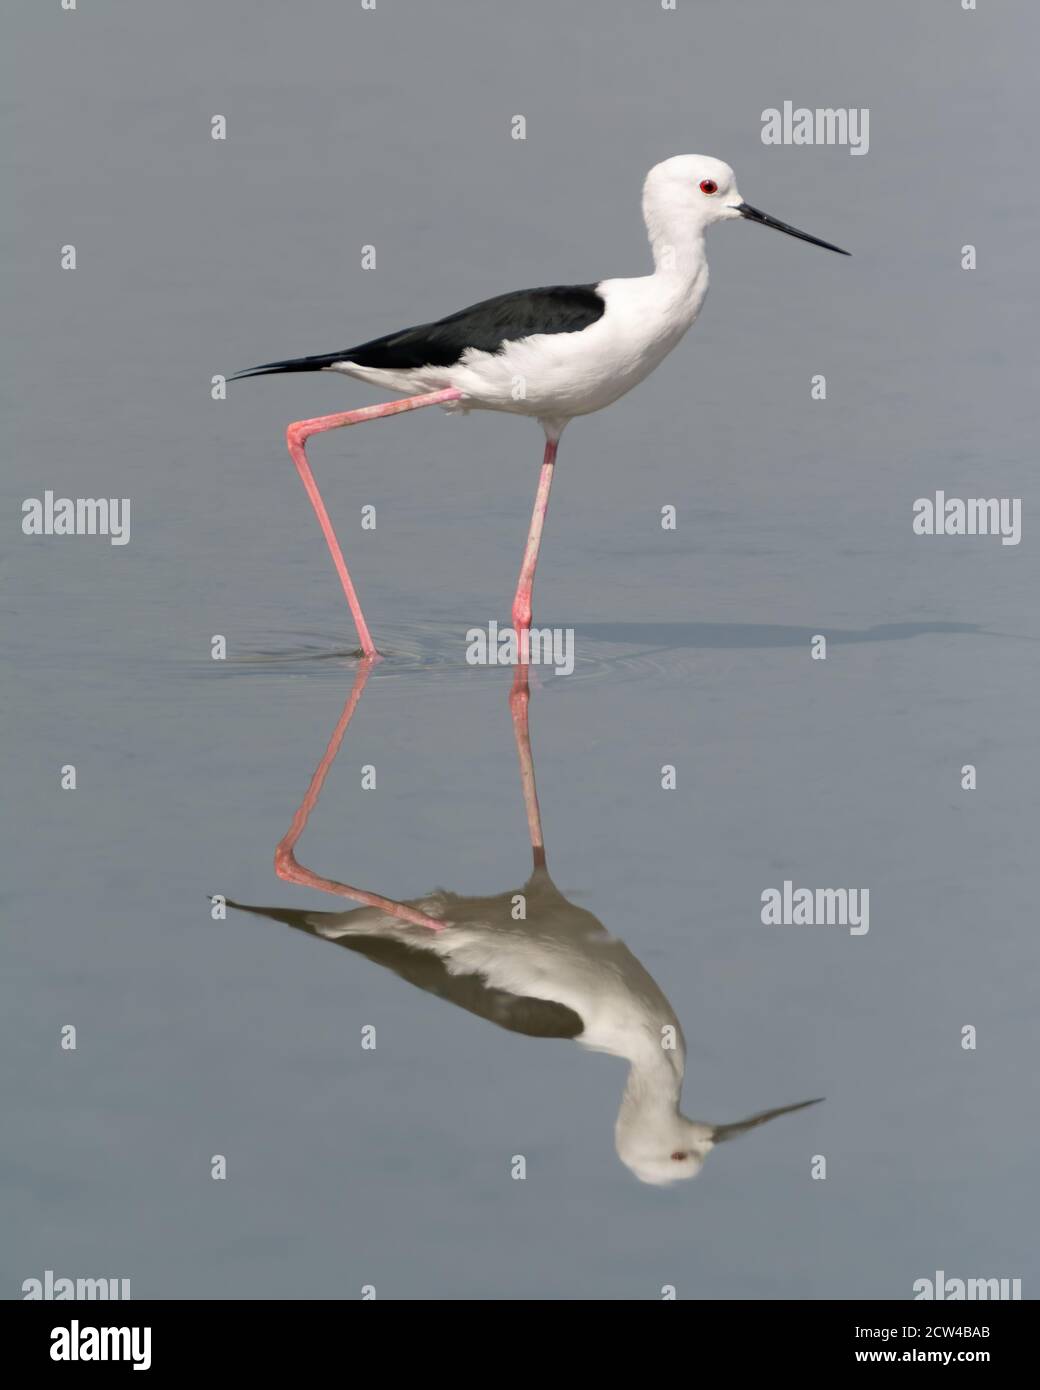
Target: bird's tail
{"x": 321, "y": 363}
{"x": 311, "y": 922}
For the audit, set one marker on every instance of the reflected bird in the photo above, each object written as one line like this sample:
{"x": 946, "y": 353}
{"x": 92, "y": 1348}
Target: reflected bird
{"x": 551, "y": 353}
{"x": 555, "y": 973}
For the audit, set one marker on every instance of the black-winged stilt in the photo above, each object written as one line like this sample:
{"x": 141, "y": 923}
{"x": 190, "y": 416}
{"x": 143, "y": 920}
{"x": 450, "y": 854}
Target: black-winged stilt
{"x": 552, "y": 353}
{"x": 554, "y": 972}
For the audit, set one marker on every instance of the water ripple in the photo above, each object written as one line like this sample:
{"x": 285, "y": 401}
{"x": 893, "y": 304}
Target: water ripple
{"x": 629, "y": 651}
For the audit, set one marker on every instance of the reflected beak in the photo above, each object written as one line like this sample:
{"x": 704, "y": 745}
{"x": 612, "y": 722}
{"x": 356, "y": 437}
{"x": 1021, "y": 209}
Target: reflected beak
{"x": 720, "y": 1133}
{"x": 753, "y": 215}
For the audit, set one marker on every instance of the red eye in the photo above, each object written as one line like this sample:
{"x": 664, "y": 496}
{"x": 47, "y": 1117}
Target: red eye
{"x": 709, "y": 186}
{"x": 678, "y": 1157}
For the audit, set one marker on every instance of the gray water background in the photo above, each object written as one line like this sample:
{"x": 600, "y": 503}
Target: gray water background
{"x": 195, "y": 1038}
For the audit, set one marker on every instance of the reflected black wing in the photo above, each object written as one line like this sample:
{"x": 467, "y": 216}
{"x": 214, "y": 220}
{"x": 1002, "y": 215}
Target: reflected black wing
{"x": 536, "y": 1018}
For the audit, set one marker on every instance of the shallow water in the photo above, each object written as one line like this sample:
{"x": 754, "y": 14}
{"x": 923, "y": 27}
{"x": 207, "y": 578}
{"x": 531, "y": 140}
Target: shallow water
{"x": 197, "y": 1037}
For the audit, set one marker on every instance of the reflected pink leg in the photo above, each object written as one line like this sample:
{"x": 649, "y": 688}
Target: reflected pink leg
{"x": 522, "y": 600}
{"x": 297, "y": 435}
{"x": 285, "y": 863}
{"x": 519, "y": 698}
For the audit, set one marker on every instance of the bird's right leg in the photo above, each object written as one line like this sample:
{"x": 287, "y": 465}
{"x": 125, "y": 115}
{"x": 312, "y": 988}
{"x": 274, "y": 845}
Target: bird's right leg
{"x": 519, "y": 699}
{"x": 525, "y": 584}
{"x": 297, "y": 435}
{"x": 285, "y": 862}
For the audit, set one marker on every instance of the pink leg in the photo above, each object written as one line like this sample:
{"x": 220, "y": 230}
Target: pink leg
{"x": 285, "y": 863}
{"x": 522, "y": 599}
{"x": 297, "y": 435}
{"x": 519, "y": 699}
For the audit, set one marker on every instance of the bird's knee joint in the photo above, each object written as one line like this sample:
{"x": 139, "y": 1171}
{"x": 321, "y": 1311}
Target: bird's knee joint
{"x": 285, "y": 865}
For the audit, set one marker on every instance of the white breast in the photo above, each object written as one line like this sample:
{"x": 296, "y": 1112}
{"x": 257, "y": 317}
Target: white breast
{"x": 568, "y": 374}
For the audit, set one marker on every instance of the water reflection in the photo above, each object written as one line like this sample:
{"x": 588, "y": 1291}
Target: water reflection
{"x": 529, "y": 961}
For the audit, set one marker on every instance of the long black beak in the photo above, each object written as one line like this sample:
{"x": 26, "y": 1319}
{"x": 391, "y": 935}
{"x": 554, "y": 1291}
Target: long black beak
{"x": 753, "y": 215}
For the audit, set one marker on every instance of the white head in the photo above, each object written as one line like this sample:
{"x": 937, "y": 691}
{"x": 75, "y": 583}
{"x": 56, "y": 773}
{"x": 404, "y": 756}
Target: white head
{"x": 661, "y": 1147}
{"x": 684, "y": 195}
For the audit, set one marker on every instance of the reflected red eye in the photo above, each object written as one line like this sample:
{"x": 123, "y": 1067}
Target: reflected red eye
{"x": 709, "y": 186}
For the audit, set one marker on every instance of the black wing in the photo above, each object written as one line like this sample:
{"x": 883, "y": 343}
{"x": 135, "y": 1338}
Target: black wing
{"x": 486, "y": 326}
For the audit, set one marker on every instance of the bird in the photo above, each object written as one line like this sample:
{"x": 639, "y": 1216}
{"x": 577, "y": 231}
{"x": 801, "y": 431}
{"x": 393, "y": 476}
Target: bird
{"x": 552, "y": 971}
{"x": 552, "y": 353}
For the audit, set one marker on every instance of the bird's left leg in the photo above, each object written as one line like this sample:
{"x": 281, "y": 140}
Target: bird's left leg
{"x": 286, "y": 865}
{"x": 522, "y": 599}
{"x": 296, "y": 437}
